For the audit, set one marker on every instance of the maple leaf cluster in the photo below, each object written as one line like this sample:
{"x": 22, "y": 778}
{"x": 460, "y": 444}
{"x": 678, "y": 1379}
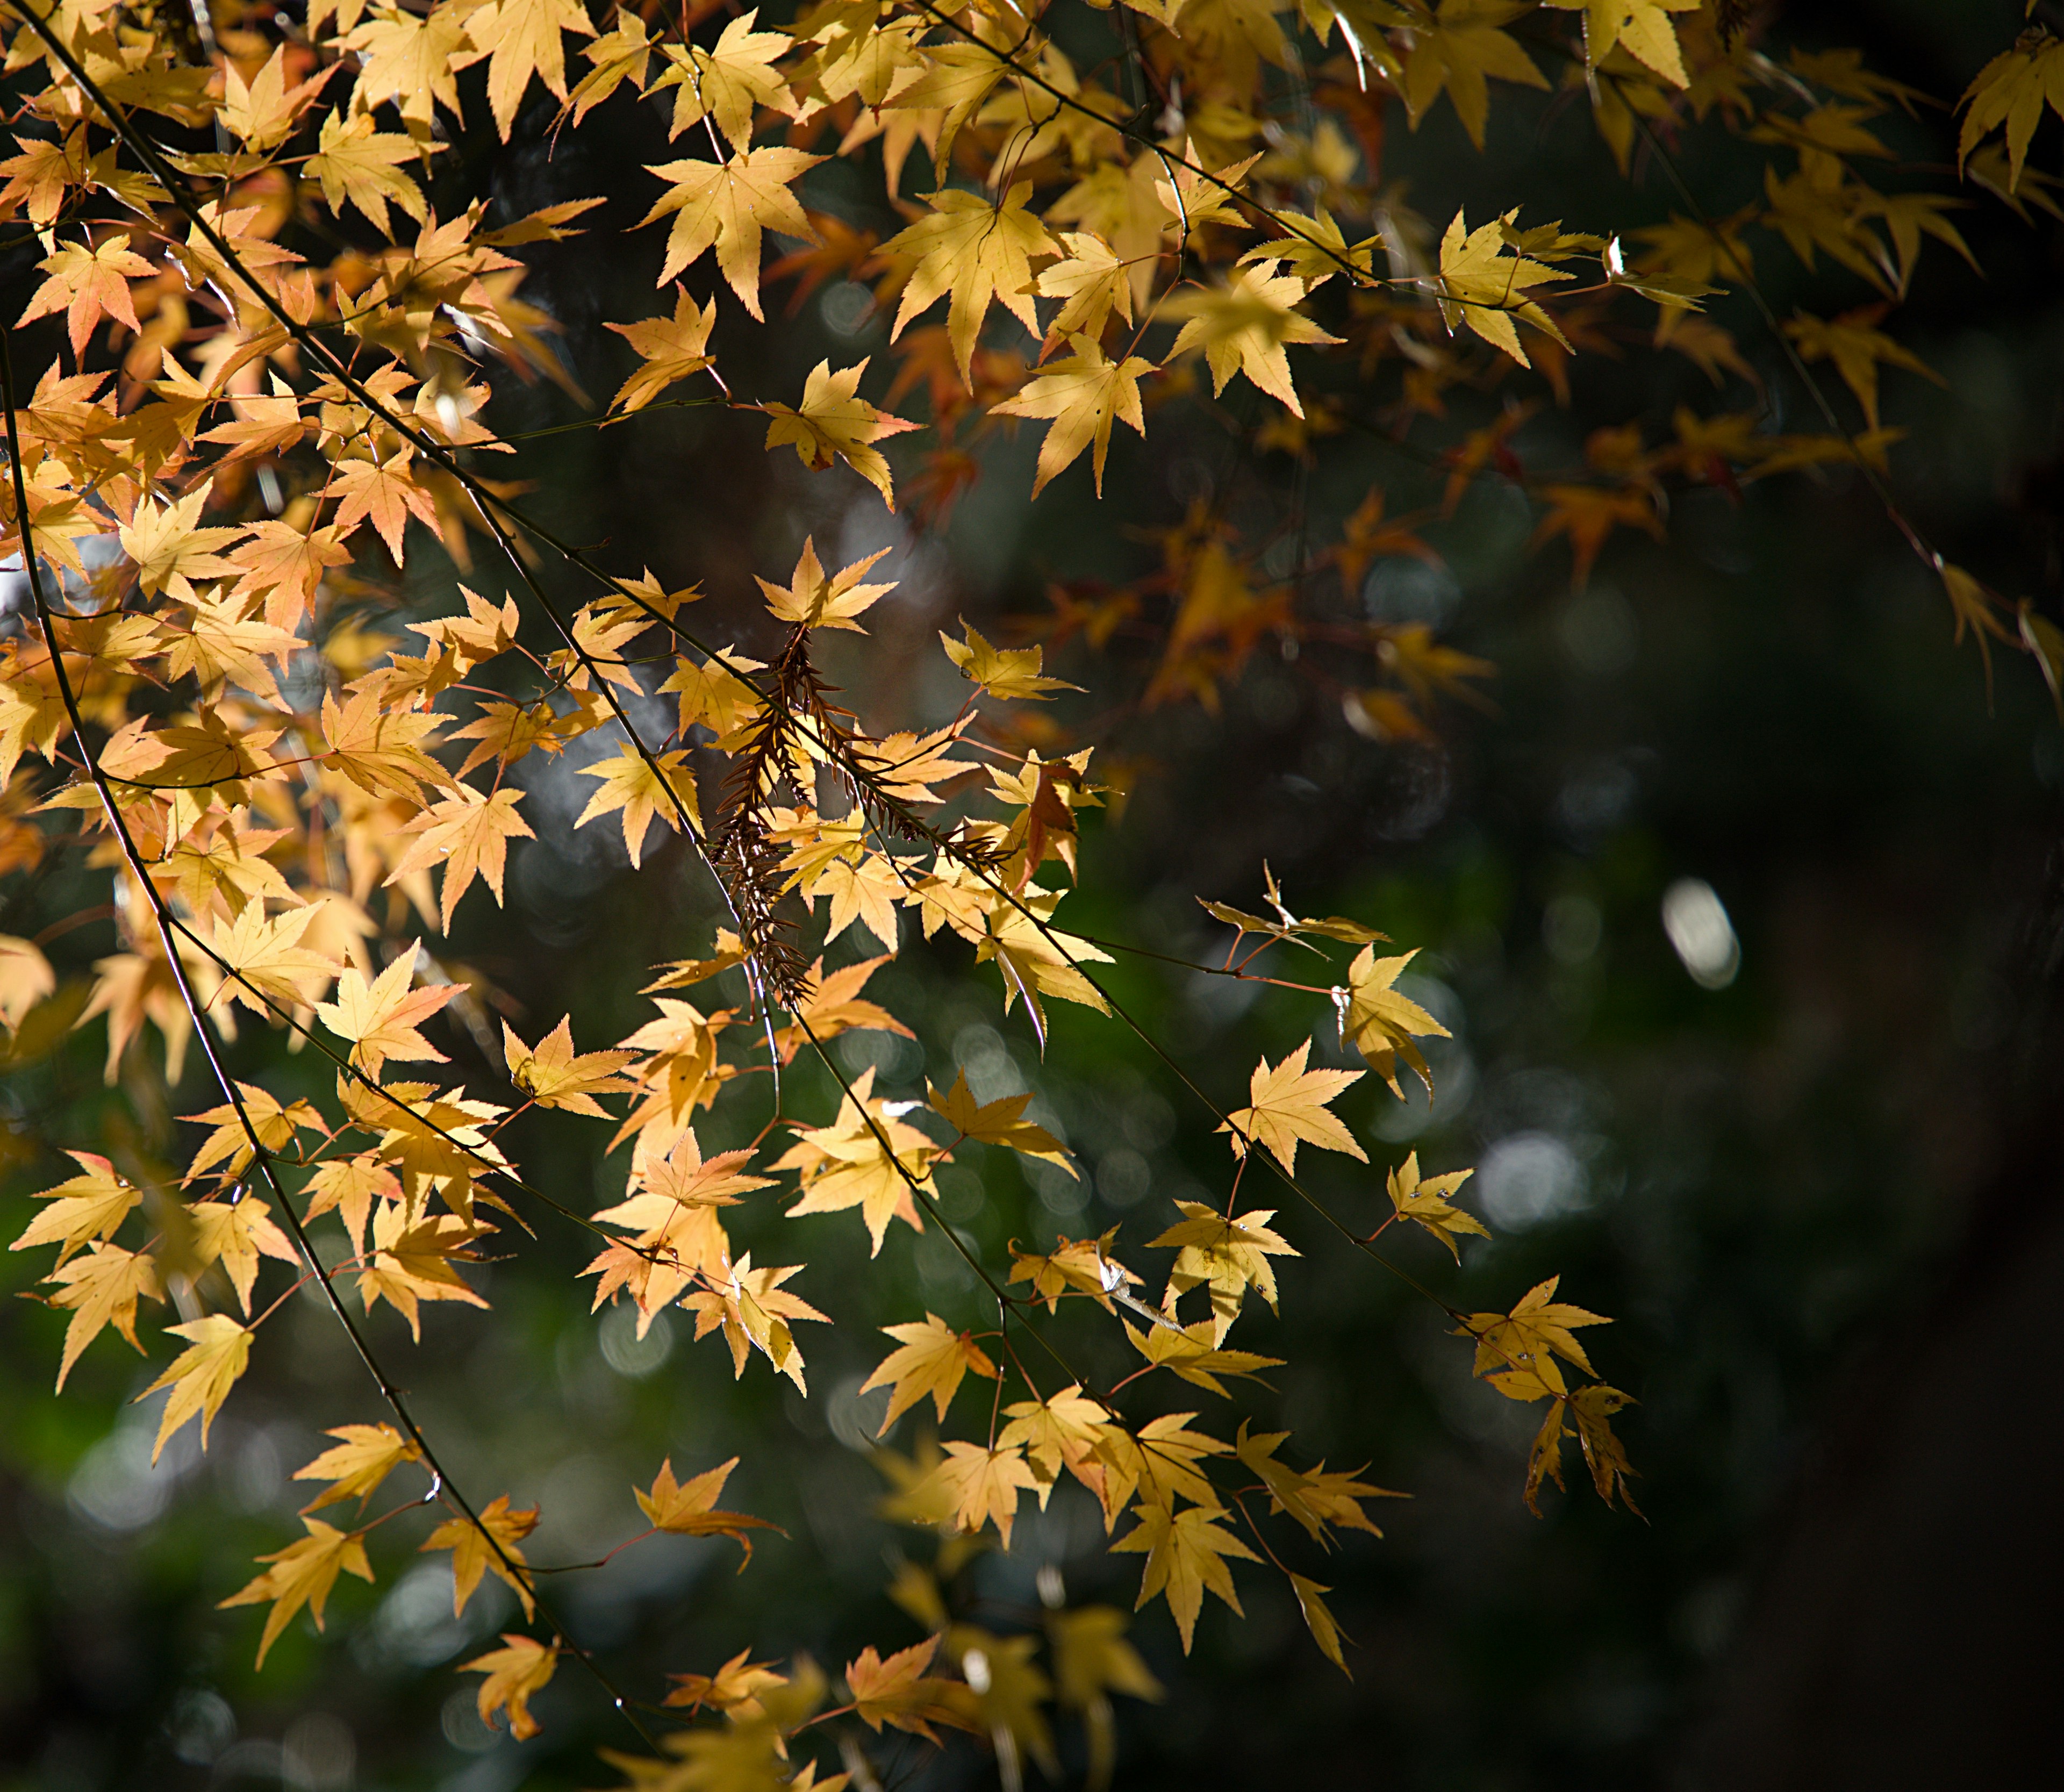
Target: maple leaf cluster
{"x": 258, "y": 381}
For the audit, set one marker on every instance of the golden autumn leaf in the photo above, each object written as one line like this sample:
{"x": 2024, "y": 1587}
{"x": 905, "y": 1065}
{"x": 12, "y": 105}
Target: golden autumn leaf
{"x": 689, "y": 1508}
{"x": 493, "y": 1540}
{"x": 469, "y": 834}
{"x": 834, "y": 422}
{"x": 302, "y": 1574}
{"x": 218, "y": 1351}
{"x": 1288, "y": 1105}
{"x": 898, "y": 1691}
{"x": 381, "y": 1018}
{"x": 1081, "y": 397}
{"x": 814, "y": 598}
{"x": 1187, "y": 1552}
{"x": 355, "y": 1466}
{"x": 522, "y": 1667}
{"x": 980, "y": 253}
{"x": 1245, "y": 328}
{"x": 932, "y": 1361}
{"x": 1427, "y": 1201}
{"x": 725, "y": 206}
{"x": 671, "y": 349}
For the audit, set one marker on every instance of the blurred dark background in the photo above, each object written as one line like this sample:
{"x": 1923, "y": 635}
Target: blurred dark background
{"x": 1819, "y": 1200}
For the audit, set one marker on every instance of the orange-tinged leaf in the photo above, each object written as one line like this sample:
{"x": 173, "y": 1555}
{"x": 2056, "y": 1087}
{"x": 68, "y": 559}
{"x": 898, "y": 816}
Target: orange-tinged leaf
{"x": 302, "y": 1574}
{"x": 492, "y": 1542}
{"x": 689, "y": 1508}
{"x": 833, "y": 422}
{"x": 355, "y": 1467}
{"x": 934, "y": 1360}
{"x": 736, "y": 1687}
{"x": 380, "y": 1019}
{"x": 898, "y": 1691}
{"x": 236, "y": 1233}
{"x": 385, "y": 493}
{"x": 469, "y": 834}
{"x": 522, "y": 1667}
{"x": 91, "y": 1206}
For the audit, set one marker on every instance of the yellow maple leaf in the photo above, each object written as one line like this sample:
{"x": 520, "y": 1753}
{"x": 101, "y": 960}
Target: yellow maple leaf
{"x": 551, "y": 1076}
{"x": 1642, "y": 26}
{"x": 99, "y": 1290}
{"x": 355, "y": 1467}
{"x": 1245, "y": 328}
{"x": 1516, "y": 1352}
{"x": 727, "y": 205}
{"x": 380, "y": 1019}
{"x": 1484, "y": 286}
{"x": 1856, "y": 347}
{"x": 1186, "y": 1554}
{"x": 833, "y": 422}
{"x": 1004, "y": 672}
{"x": 1231, "y": 1253}
{"x": 1092, "y": 282}
{"x": 1082, "y": 395}
{"x": 689, "y": 1508}
{"x": 302, "y": 1574}
{"x": 360, "y": 166}
{"x": 2011, "y": 90}
{"x": 1319, "y": 1621}
{"x": 998, "y": 1122}
{"x": 898, "y": 1691}
{"x": 645, "y": 789}
{"x": 1288, "y": 1105}
{"x": 977, "y": 251}
{"x": 172, "y": 550}
{"x": 521, "y": 39}
{"x": 1457, "y": 49}
{"x": 90, "y": 1206}
{"x": 514, "y": 1672}
{"x": 235, "y": 1233}
{"x": 983, "y": 1482}
{"x": 492, "y": 1541}
{"x": 754, "y": 1311}
{"x": 671, "y": 348}
{"x": 726, "y": 82}
{"x": 218, "y": 1350}
{"x": 1380, "y": 1023}
{"x": 1427, "y": 1201}
{"x": 469, "y": 834}
{"x": 933, "y": 1359}
{"x": 813, "y": 598}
